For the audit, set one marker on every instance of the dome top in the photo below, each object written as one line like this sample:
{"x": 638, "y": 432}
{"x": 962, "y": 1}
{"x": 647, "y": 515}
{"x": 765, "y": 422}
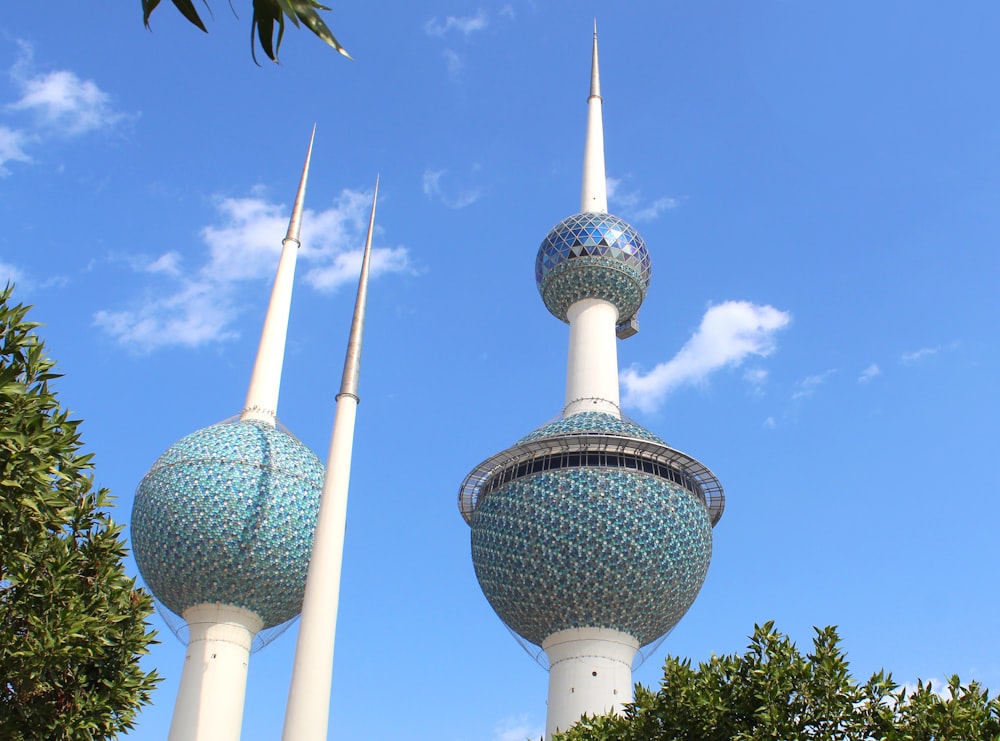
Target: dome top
{"x": 587, "y": 423}
{"x": 593, "y": 255}
{"x": 226, "y": 516}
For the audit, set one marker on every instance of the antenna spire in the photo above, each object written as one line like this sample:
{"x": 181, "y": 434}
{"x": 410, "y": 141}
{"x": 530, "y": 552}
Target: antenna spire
{"x": 307, "y": 714}
{"x": 594, "y": 195}
{"x": 265, "y": 382}
{"x": 352, "y": 362}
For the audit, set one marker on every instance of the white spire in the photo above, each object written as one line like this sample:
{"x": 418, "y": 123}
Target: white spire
{"x": 307, "y": 715}
{"x": 594, "y": 197}
{"x": 265, "y": 382}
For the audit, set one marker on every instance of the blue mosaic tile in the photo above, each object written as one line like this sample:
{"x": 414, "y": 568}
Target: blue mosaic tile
{"x": 591, "y": 547}
{"x": 227, "y": 516}
{"x": 592, "y": 255}
{"x": 583, "y": 423}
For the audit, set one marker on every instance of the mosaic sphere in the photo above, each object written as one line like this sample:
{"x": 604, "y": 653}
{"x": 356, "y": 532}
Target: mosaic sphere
{"x": 593, "y": 255}
{"x": 227, "y": 516}
{"x": 591, "y": 547}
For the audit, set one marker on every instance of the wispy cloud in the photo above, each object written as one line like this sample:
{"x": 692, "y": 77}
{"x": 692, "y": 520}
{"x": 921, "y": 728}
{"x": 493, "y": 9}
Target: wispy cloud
{"x": 517, "y": 729}
{"x": 631, "y": 203}
{"x": 464, "y": 25}
{"x": 435, "y": 190}
{"x": 201, "y": 304}
{"x": 729, "y": 333}
{"x": 12, "y": 145}
{"x": 11, "y": 273}
{"x": 58, "y": 104}
{"x": 909, "y": 358}
{"x": 869, "y": 373}
{"x": 808, "y": 385}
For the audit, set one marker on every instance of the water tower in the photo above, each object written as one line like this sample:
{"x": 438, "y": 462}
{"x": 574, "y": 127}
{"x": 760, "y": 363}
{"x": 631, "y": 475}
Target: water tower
{"x": 591, "y": 537}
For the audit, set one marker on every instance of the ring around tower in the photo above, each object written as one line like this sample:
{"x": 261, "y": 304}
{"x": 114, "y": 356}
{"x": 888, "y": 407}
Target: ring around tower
{"x": 591, "y": 537}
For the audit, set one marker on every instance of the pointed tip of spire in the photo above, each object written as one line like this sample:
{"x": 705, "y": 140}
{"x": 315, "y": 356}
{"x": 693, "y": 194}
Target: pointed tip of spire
{"x": 295, "y": 223}
{"x": 595, "y": 75}
{"x": 352, "y": 363}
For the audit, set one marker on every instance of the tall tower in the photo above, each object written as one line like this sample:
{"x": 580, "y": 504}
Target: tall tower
{"x": 307, "y": 714}
{"x": 591, "y": 536}
{"x": 222, "y": 528}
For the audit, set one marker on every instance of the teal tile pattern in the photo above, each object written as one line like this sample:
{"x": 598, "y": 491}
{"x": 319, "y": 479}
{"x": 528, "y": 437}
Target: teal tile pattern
{"x": 584, "y": 423}
{"x": 227, "y": 516}
{"x": 591, "y": 547}
{"x": 593, "y": 255}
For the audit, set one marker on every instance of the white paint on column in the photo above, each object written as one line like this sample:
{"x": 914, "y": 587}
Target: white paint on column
{"x": 592, "y": 368}
{"x": 590, "y": 671}
{"x": 307, "y": 715}
{"x": 213, "y": 682}
{"x": 265, "y": 382}
{"x": 594, "y": 196}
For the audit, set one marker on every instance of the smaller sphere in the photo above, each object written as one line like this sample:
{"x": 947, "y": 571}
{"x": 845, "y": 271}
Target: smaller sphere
{"x": 227, "y": 516}
{"x": 593, "y": 255}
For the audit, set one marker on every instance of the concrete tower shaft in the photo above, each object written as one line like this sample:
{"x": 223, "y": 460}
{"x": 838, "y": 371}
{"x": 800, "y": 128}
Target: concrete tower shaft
{"x": 222, "y": 529}
{"x": 591, "y": 537}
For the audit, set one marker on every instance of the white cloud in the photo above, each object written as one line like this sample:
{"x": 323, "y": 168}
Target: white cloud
{"x": 243, "y": 247}
{"x": 909, "y": 358}
{"x": 729, "y": 333}
{"x": 12, "y": 143}
{"x": 517, "y": 729}
{"x": 630, "y": 203}
{"x": 59, "y": 104}
{"x": 66, "y": 103}
{"x": 808, "y": 385}
{"x": 195, "y": 314}
{"x": 769, "y": 422}
{"x": 454, "y": 63}
{"x": 464, "y": 25}
{"x": 167, "y": 263}
{"x": 434, "y": 190}
{"x": 869, "y": 373}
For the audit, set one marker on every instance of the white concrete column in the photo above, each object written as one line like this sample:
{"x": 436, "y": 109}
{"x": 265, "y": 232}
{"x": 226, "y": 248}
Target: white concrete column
{"x": 592, "y": 369}
{"x": 594, "y": 194}
{"x": 262, "y": 396}
{"x": 590, "y": 671}
{"x": 213, "y": 682}
{"x": 308, "y": 713}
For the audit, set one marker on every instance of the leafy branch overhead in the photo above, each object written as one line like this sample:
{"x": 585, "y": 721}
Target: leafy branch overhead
{"x": 268, "y": 21}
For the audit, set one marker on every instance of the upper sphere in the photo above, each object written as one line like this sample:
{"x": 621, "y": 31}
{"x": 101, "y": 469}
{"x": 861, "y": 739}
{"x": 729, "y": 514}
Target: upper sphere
{"x": 226, "y": 516}
{"x": 593, "y": 255}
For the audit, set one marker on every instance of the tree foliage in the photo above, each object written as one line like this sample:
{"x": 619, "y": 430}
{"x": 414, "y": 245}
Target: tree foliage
{"x": 267, "y": 22}
{"x": 774, "y": 692}
{"x": 72, "y": 623}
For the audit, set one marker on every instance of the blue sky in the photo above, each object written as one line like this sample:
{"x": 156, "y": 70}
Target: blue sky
{"x": 818, "y": 187}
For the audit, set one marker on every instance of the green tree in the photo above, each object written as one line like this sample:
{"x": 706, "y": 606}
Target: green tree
{"x": 72, "y": 623}
{"x": 774, "y": 692}
{"x": 268, "y": 21}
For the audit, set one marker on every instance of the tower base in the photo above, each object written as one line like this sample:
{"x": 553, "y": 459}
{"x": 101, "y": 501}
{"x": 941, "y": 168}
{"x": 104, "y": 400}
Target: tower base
{"x": 214, "y": 679}
{"x": 590, "y": 671}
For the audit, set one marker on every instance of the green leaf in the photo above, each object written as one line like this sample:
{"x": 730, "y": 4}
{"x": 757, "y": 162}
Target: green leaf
{"x": 186, "y": 7}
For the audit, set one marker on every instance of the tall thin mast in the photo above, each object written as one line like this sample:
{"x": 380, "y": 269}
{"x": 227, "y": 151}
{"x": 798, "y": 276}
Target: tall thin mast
{"x": 308, "y": 714}
{"x": 594, "y": 197}
{"x": 265, "y": 382}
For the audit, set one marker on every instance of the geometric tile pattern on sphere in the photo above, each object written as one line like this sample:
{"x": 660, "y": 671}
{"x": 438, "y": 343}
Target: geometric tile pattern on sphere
{"x": 583, "y": 423}
{"x": 227, "y": 516}
{"x": 592, "y": 255}
{"x": 591, "y": 547}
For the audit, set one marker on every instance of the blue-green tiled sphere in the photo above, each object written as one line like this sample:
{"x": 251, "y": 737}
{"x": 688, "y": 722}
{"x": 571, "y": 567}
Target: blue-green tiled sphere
{"x": 591, "y": 547}
{"x": 593, "y": 255}
{"x": 227, "y": 516}
{"x": 589, "y": 423}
